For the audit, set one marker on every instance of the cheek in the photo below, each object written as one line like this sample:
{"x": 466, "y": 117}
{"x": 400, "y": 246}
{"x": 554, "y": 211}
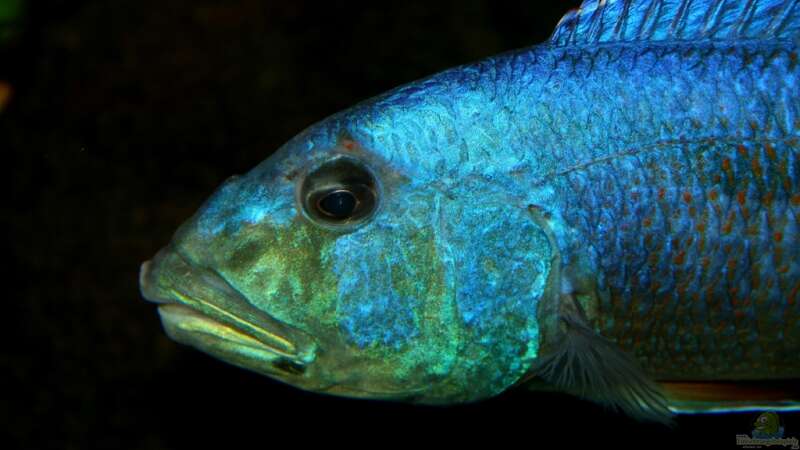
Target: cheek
{"x": 394, "y": 305}
{"x": 285, "y": 272}
{"x": 387, "y": 282}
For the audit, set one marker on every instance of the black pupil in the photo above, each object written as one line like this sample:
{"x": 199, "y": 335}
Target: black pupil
{"x": 338, "y": 204}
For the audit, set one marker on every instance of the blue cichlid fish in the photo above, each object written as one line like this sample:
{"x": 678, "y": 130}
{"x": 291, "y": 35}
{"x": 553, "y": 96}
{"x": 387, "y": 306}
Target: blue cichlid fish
{"x": 613, "y": 214}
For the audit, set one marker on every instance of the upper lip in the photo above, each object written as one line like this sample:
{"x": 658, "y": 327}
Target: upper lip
{"x": 196, "y": 293}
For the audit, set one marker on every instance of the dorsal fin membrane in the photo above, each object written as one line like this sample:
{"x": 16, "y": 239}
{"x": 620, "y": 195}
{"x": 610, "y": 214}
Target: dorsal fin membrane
{"x": 598, "y": 21}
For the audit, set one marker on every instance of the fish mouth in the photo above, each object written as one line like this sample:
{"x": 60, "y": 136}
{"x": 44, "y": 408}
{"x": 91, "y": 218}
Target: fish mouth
{"x": 198, "y": 307}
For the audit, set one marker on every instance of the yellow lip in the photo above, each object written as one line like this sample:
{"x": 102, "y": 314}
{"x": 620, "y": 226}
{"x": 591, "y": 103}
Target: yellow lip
{"x": 195, "y": 312}
{"x": 190, "y": 327}
{"x": 199, "y": 308}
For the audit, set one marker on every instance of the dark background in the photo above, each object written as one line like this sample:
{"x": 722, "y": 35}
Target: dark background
{"x": 125, "y": 116}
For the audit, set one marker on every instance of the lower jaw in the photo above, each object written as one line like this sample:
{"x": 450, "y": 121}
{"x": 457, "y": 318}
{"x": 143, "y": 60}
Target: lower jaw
{"x": 192, "y": 328}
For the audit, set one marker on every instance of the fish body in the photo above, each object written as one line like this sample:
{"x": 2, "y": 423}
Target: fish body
{"x": 615, "y": 207}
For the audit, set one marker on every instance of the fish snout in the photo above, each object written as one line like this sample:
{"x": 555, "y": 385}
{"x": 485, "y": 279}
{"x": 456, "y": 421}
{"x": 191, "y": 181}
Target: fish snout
{"x": 146, "y": 285}
{"x": 198, "y": 307}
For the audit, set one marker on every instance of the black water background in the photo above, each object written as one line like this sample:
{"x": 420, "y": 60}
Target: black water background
{"x": 125, "y": 116}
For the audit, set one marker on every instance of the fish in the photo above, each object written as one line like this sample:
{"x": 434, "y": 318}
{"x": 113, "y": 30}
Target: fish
{"x": 612, "y": 214}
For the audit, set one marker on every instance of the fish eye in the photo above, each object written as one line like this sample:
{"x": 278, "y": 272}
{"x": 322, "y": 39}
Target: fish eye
{"x": 338, "y": 204}
{"x": 341, "y": 192}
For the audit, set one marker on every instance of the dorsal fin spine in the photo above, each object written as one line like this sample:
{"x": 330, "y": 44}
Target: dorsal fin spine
{"x": 596, "y": 24}
{"x": 680, "y": 19}
{"x": 782, "y": 20}
{"x": 746, "y": 17}
{"x": 619, "y": 28}
{"x": 712, "y": 19}
{"x": 650, "y": 20}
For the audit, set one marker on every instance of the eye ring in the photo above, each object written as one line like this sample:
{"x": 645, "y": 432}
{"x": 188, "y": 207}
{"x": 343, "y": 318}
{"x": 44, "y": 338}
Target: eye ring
{"x": 340, "y": 193}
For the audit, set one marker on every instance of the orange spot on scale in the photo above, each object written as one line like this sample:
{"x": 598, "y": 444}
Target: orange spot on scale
{"x": 778, "y": 236}
{"x": 5, "y": 94}
{"x": 653, "y": 259}
{"x": 731, "y": 269}
{"x": 742, "y": 150}
{"x": 680, "y": 258}
{"x": 687, "y": 197}
{"x": 661, "y": 193}
{"x": 755, "y": 164}
{"x": 705, "y": 262}
{"x": 768, "y": 198}
{"x": 738, "y": 313}
{"x": 796, "y": 200}
{"x": 770, "y": 151}
{"x": 700, "y": 227}
{"x": 726, "y": 164}
{"x": 740, "y": 197}
{"x": 713, "y": 195}
{"x": 646, "y": 222}
{"x": 793, "y": 294}
{"x": 726, "y": 229}
{"x": 783, "y": 269}
{"x": 348, "y": 144}
{"x": 692, "y": 211}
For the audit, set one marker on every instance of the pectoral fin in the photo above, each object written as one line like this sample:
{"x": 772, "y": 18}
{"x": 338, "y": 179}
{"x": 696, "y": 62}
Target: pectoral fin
{"x": 590, "y": 366}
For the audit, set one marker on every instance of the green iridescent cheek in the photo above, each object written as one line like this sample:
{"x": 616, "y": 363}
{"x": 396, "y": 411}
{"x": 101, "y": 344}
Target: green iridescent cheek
{"x": 375, "y": 299}
{"x": 282, "y": 270}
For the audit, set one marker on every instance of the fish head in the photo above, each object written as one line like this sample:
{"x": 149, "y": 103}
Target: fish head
{"x": 767, "y": 422}
{"x": 330, "y": 268}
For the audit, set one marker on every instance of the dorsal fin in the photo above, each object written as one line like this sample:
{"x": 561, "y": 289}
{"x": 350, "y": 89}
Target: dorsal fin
{"x": 599, "y": 21}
